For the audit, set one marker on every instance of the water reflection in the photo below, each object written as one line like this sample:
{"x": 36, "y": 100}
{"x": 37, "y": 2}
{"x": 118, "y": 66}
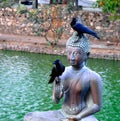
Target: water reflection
{"x": 24, "y": 85}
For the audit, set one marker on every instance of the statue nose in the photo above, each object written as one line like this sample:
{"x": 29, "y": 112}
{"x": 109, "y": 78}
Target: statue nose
{"x": 72, "y": 57}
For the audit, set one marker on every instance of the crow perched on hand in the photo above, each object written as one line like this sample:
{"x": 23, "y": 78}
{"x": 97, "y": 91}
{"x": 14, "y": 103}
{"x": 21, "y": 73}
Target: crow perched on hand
{"x": 57, "y": 70}
{"x": 81, "y": 29}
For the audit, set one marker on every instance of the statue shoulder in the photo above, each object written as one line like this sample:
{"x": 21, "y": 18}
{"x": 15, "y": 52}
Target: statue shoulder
{"x": 65, "y": 73}
{"x": 67, "y": 70}
{"x": 93, "y": 75}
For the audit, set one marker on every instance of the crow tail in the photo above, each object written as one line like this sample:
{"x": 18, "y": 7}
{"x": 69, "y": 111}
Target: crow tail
{"x": 96, "y": 35}
{"x": 51, "y": 79}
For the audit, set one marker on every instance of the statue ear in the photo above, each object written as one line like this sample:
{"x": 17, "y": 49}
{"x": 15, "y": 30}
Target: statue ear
{"x": 86, "y": 56}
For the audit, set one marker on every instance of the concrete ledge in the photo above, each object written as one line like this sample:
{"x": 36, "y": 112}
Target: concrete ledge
{"x": 39, "y": 45}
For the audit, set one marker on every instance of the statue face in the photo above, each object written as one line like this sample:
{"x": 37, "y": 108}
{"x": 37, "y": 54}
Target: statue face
{"x": 75, "y": 56}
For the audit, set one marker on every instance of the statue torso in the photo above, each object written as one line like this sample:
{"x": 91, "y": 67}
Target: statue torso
{"x": 75, "y": 85}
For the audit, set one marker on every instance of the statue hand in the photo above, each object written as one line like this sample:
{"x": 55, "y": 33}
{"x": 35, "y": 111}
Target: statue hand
{"x": 57, "y": 80}
{"x": 72, "y": 118}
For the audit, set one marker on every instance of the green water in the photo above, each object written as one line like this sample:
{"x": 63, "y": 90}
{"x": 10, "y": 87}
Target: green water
{"x": 24, "y": 88}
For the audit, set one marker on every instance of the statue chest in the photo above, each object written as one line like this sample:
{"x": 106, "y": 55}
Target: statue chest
{"x": 76, "y": 85}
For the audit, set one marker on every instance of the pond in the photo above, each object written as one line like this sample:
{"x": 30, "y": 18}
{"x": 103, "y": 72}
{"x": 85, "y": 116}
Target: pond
{"x": 24, "y": 85}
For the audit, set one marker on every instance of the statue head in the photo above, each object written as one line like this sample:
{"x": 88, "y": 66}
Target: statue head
{"x": 77, "y": 48}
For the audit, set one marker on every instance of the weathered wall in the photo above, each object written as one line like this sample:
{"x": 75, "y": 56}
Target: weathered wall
{"x": 13, "y": 23}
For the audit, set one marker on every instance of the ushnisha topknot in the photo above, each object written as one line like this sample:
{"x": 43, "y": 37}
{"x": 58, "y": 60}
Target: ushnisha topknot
{"x": 79, "y": 41}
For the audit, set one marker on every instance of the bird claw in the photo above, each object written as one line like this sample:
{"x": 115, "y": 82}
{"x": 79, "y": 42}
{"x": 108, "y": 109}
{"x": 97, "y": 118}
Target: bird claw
{"x": 57, "y": 80}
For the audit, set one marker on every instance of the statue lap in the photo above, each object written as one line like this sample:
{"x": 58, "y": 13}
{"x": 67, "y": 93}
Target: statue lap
{"x": 55, "y": 115}
{"x": 43, "y": 116}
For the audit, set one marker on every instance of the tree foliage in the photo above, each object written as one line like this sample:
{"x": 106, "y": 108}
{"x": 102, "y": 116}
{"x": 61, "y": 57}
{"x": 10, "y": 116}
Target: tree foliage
{"x": 47, "y": 20}
{"x": 7, "y": 3}
{"x": 110, "y": 6}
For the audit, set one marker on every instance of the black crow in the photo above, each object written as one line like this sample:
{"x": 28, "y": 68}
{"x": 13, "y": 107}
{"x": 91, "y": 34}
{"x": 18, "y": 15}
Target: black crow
{"x": 57, "y": 70}
{"x": 81, "y": 29}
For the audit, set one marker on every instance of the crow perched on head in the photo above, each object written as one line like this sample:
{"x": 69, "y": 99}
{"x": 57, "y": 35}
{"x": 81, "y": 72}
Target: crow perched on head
{"x": 57, "y": 70}
{"x": 81, "y": 29}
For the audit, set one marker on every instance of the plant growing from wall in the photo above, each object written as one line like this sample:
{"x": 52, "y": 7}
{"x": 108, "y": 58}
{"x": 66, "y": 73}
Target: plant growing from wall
{"x": 48, "y": 22}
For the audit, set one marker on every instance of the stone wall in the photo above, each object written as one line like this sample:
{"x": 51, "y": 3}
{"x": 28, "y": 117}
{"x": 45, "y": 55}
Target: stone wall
{"x": 13, "y": 23}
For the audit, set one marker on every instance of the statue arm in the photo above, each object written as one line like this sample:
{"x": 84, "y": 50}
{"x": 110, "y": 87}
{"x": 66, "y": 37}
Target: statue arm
{"x": 57, "y": 90}
{"x": 96, "y": 92}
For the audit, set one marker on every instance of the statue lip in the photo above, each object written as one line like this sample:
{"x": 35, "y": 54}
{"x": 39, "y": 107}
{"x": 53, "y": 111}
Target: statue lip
{"x": 72, "y": 62}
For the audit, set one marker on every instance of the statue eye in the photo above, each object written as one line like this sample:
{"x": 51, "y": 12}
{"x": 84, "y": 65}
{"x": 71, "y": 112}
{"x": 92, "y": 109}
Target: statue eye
{"x": 76, "y": 53}
{"x": 69, "y": 53}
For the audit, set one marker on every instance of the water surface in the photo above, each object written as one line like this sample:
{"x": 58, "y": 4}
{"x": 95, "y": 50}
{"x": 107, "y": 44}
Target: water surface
{"x": 24, "y": 85}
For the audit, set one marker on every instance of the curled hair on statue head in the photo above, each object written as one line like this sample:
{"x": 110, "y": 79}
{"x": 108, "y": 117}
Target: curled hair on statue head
{"x": 80, "y": 42}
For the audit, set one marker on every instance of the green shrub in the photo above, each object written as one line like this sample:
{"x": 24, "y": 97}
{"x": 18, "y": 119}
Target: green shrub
{"x": 110, "y": 6}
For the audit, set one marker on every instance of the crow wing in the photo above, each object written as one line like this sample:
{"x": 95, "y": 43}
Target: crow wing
{"x": 81, "y": 29}
{"x": 57, "y": 70}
